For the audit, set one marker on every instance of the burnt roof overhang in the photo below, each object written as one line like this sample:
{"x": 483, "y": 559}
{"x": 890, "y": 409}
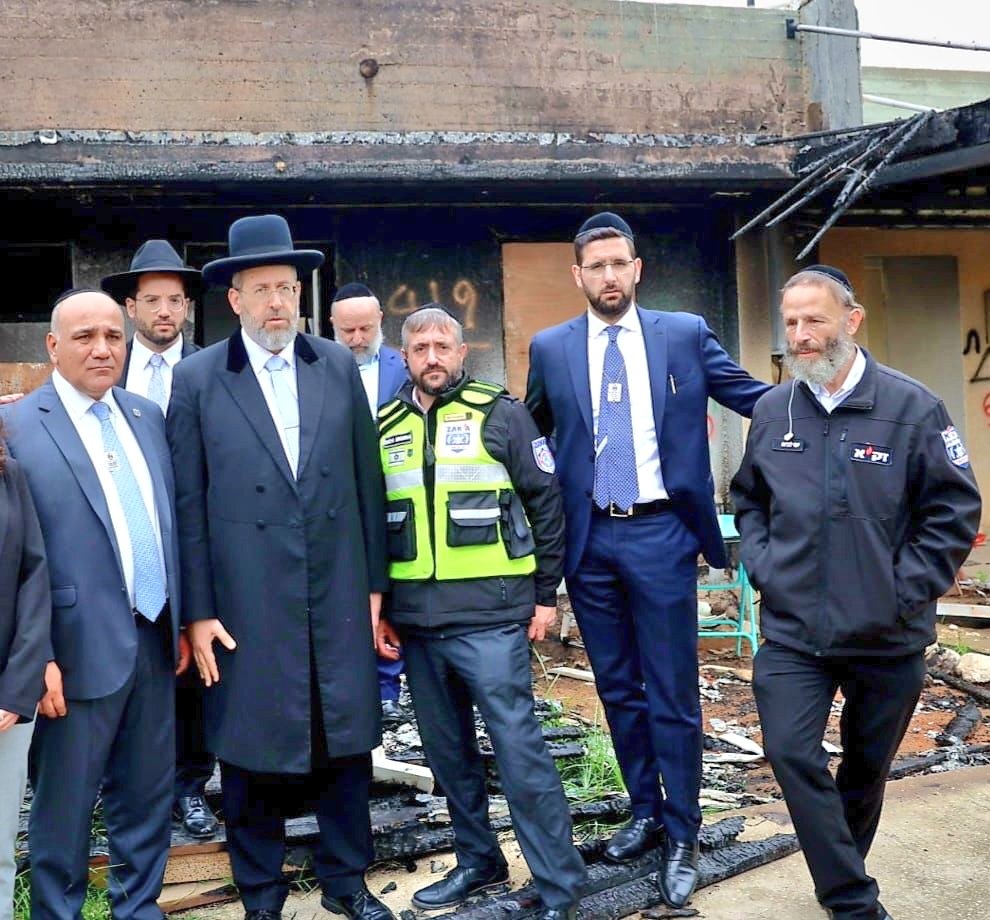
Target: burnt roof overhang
{"x": 366, "y": 163}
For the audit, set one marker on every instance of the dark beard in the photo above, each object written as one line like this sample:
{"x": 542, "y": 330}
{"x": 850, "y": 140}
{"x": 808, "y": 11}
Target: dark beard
{"x": 605, "y": 309}
{"x": 451, "y": 384}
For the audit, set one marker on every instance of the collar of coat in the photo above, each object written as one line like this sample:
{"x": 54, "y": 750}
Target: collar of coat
{"x": 863, "y": 397}
{"x": 237, "y": 356}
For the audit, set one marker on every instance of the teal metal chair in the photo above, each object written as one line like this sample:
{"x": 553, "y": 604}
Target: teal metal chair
{"x": 745, "y": 627}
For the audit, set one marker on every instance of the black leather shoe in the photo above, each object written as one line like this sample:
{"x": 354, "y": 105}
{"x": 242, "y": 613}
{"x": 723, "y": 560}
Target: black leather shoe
{"x": 679, "y": 872}
{"x": 391, "y": 713}
{"x": 362, "y": 905}
{"x": 560, "y": 913}
{"x": 192, "y": 812}
{"x": 881, "y": 913}
{"x": 638, "y": 836}
{"x": 457, "y": 884}
{"x": 263, "y": 915}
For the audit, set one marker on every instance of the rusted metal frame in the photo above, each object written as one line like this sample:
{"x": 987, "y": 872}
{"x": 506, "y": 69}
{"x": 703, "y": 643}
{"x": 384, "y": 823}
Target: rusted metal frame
{"x": 803, "y": 184}
{"x": 834, "y": 175}
{"x": 859, "y": 190}
{"x": 814, "y": 135}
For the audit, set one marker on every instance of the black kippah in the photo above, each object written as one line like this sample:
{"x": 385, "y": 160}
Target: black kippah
{"x": 830, "y": 272}
{"x": 432, "y": 305}
{"x": 352, "y": 289}
{"x": 605, "y": 219}
{"x": 71, "y": 292}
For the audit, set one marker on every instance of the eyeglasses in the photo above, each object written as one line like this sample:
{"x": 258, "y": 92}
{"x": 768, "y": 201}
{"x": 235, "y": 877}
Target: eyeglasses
{"x": 598, "y": 269}
{"x": 264, "y": 291}
{"x": 176, "y": 303}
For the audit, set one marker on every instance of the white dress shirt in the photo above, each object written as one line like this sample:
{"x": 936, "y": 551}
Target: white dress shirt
{"x": 257, "y": 356}
{"x": 139, "y": 370}
{"x": 633, "y": 348}
{"x": 830, "y": 400}
{"x": 89, "y": 428}
{"x": 369, "y": 377}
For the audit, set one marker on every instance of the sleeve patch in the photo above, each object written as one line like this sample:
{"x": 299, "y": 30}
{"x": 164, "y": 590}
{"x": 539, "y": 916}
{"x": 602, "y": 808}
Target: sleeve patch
{"x": 954, "y": 447}
{"x": 544, "y": 456}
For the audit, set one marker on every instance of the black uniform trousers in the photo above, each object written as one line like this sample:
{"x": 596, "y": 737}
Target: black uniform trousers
{"x": 193, "y": 762}
{"x": 122, "y": 743}
{"x": 635, "y": 596}
{"x": 490, "y": 668}
{"x": 835, "y": 819}
{"x": 255, "y": 806}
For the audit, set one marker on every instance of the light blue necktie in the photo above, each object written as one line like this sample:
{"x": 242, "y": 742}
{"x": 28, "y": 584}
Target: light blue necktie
{"x": 156, "y": 388}
{"x": 615, "y": 461}
{"x": 288, "y": 406}
{"x": 149, "y": 586}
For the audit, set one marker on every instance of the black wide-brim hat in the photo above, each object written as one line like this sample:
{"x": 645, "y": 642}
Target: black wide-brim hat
{"x": 256, "y": 241}
{"x": 152, "y": 256}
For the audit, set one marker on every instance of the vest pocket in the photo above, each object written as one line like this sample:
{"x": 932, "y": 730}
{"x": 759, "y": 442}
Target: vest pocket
{"x": 401, "y": 530}
{"x": 472, "y": 518}
{"x": 516, "y": 533}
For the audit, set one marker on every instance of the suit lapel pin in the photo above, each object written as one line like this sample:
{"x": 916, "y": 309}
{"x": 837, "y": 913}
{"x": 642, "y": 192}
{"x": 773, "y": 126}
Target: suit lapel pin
{"x": 136, "y": 411}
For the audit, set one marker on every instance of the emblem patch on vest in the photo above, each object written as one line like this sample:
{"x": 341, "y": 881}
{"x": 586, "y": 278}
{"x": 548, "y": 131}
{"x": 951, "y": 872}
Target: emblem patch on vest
{"x": 456, "y": 437}
{"x": 788, "y": 445}
{"x": 544, "y": 456}
{"x": 874, "y": 454}
{"x": 398, "y": 455}
{"x": 394, "y": 440}
{"x": 954, "y": 447}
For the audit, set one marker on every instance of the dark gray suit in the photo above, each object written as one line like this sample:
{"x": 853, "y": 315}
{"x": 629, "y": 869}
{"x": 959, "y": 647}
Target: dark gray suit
{"x": 25, "y": 598}
{"x": 117, "y": 670}
{"x": 286, "y": 563}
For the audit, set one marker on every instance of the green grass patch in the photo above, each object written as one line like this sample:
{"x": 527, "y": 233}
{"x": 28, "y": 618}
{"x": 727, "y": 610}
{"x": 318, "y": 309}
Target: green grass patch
{"x": 596, "y": 774}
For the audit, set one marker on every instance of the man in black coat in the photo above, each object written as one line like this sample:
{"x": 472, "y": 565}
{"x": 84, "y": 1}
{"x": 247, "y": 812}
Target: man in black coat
{"x": 156, "y": 292}
{"x": 281, "y": 528}
{"x": 856, "y": 505}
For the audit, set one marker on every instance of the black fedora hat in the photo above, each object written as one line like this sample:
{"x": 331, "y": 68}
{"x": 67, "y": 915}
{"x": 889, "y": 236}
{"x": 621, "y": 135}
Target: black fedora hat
{"x": 152, "y": 256}
{"x": 255, "y": 241}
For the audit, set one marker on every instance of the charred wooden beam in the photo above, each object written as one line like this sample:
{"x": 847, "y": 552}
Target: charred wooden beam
{"x": 980, "y": 694}
{"x": 912, "y": 765}
{"x": 963, "y": 725}
{"x": 618, "y": 891}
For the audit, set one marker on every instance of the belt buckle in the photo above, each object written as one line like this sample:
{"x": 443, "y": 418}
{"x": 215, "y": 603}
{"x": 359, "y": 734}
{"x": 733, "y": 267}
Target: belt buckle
{"x": 616, "y": 512}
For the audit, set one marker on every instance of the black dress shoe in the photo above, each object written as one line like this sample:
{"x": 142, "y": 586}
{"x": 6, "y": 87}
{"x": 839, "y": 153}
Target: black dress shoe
{"x": 361, "y": 905}
{"x": 679, "y": 872}
{"x": 263, "y": 915}
{"x": 457, "y": 884}
{"x": 560, "y": 913}
{"x": 192, "y": 812}
{"x": 638, "y": 836}
{"x": 391, "y": 713}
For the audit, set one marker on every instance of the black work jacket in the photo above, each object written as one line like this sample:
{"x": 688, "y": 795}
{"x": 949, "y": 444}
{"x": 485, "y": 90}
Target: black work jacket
{"x": 854, "y": 526}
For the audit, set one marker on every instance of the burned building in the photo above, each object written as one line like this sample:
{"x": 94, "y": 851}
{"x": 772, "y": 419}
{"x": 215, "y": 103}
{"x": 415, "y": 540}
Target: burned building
{"x": 433, "y": 150}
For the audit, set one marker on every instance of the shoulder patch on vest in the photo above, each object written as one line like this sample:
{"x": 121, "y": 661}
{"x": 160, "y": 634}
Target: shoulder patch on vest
{"x": 544, "y": 456}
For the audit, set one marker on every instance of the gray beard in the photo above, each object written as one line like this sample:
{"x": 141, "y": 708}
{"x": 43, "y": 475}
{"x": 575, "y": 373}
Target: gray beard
{"x": 371, "y": 352}
{"x": 270, "y": 341}
{"x": 822, "y": 369}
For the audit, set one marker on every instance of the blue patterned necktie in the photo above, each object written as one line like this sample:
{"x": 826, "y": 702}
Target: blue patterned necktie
{"x": 149, "y": 586}
{"x": 615, "y": 458}
{"x": 156, "y": 388}
{"x": 288, "y": 406}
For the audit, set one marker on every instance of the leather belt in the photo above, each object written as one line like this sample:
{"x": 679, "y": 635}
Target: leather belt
{"x": 642, "y": 509}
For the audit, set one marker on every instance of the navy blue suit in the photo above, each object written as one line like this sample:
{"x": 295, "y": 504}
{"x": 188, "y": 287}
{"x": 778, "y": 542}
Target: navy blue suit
{"x": 117, "y": 669}
{"x": 633, "y": 581}
{"x": 392, "y": 374}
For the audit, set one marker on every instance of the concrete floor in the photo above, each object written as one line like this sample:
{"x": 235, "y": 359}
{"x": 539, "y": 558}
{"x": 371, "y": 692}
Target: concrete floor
{"x": 929, "y": 857}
